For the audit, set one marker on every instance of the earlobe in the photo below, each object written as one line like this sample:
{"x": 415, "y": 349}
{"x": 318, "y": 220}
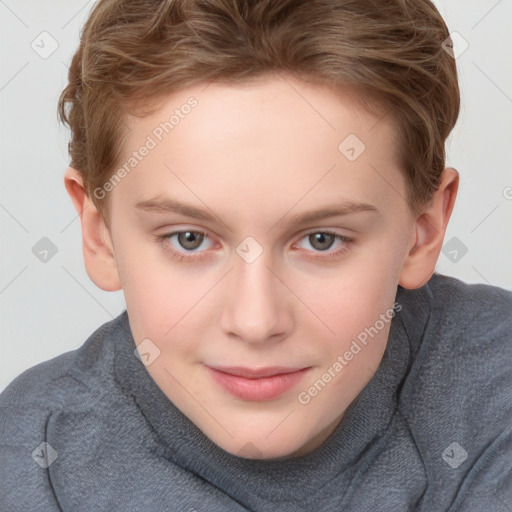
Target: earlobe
{"x": 98, "y": 249}
{"x": 430, "y": 229}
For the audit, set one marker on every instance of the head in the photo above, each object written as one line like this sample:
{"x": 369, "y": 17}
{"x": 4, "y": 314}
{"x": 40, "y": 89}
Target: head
{"x": 209, "y": 139}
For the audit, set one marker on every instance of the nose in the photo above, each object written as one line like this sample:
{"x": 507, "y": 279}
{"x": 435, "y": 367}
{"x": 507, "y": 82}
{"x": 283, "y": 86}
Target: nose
{"x": 256, "y": 308}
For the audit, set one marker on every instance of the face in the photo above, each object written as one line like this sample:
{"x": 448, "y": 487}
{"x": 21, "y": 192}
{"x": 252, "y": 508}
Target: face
{"x": 257, "y": 245}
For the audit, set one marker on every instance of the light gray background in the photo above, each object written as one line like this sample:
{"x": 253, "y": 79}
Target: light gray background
{"x": 50, "y": 308}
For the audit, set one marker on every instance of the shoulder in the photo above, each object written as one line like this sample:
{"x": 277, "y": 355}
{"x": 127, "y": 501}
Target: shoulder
{"x": 471, "y": 324}
{"x": 71, "y": 381}
{"x": 466, "y": 339}
{"x": 479, "y": 304}
{"x": 51, "y": 384}
{"x": 449, "y": 314}
{"x": 456, "y": 397}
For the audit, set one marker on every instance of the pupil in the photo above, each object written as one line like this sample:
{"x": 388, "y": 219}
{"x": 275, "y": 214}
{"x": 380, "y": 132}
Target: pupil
{"x": 321, "y": 237}
{"x": 186, "y": 239}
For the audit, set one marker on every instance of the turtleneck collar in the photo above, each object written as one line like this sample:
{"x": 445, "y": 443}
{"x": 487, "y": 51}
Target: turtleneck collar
{"x": 363, "y": 424}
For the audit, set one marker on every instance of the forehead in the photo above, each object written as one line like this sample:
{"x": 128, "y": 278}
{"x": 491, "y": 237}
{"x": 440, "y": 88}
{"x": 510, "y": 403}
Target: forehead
{"x": 271, "y": 141}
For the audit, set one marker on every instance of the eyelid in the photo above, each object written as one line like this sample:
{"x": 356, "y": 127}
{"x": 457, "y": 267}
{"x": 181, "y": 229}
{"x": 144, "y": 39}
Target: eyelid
{"x": 338, "y": 236}
{"x": 196, "y": 256}
{"x": 199, "y": 231}
{"x": 299, "y": 235}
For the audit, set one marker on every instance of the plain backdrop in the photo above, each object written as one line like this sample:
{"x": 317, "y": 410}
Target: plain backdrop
{"x": 50, "y": 307}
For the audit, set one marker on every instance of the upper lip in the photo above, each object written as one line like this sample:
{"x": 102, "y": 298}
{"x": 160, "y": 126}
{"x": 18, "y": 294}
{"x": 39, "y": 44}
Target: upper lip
{"x": 256, "y": 373}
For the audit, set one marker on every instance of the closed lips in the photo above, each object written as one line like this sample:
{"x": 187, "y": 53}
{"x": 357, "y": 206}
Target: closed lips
{"x": 257, "y": 384}
{"x": 250, "y": 373}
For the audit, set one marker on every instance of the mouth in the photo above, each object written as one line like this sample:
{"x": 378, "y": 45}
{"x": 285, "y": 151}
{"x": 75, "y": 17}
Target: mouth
{"x": 257, "y": 384}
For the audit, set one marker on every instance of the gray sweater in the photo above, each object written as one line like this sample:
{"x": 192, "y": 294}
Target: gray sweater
{"x": 90, "y": 430}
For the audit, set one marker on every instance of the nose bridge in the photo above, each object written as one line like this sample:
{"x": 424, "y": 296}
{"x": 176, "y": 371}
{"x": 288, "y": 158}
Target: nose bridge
{"x": 254, "y": 310}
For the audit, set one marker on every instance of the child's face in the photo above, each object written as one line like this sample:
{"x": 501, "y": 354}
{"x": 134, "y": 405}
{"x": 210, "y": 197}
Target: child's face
{"x": 253, "y": 157}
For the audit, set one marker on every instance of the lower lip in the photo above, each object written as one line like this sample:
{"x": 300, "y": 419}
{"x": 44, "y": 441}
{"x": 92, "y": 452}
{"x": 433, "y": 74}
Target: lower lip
{"x": 257, "y": 390}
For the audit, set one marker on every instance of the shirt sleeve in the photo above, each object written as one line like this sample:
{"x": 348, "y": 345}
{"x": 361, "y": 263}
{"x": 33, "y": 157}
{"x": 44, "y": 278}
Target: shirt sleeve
{"x": 26, "y": 458}
{"x": 489, "y": 485}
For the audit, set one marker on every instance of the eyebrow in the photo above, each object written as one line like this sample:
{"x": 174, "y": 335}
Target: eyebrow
{"x": 169, "y": 205}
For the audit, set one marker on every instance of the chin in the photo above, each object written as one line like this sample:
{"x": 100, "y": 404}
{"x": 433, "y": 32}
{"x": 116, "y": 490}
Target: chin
{"x": 262, "y": 448}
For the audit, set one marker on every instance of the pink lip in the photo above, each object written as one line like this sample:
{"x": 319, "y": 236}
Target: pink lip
{"x": 257, "y": 384}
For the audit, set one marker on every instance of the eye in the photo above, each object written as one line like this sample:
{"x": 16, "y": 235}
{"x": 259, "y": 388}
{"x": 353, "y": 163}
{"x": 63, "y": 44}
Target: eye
{"x": 322, "y": 241}
{"x": 185, "y": 244}
{"x": 190, "y": 240}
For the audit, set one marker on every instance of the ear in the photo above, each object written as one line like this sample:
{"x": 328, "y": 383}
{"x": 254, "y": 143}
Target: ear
{"x": 97, "y": 244}
{"x": 430, "y": 228}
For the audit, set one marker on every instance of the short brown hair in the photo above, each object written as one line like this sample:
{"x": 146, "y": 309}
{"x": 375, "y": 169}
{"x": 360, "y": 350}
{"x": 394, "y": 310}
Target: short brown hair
{"x": 132, "y": 50}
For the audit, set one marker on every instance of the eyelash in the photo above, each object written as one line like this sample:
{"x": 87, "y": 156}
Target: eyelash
{"x": 183, "y": 256}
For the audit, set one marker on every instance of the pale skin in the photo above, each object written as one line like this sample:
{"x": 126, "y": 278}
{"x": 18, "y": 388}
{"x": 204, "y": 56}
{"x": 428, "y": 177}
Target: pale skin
{"x": 254, "y": 155}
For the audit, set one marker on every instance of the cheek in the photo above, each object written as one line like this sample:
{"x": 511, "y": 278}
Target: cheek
{"x": 351, "y": 306}
{"x": 360, "y": 317}
{"x": 354, "y": 294}
{"x": 154, "y": 299}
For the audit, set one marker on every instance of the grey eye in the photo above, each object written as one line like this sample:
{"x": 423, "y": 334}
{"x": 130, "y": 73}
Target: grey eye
{"x": 321, "y": 241}
{"x": 190, "y": 240}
